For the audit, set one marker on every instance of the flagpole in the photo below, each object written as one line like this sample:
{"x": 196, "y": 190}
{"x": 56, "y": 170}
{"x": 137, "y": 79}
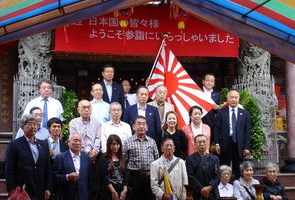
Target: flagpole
{"x": 154, "y": 65}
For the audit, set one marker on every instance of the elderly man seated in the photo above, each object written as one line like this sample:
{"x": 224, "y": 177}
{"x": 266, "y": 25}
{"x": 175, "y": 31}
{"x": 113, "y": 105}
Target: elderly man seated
{"x": 202, "y": 169}
{"x": 172, "y": 166}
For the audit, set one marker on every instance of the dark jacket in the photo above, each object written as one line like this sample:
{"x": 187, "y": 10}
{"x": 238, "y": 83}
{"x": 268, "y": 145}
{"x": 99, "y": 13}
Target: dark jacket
{"x": 216, "y": 97}
{"x": 152, "y": 117}
{"x": 222, "y": 129}
{"x": 201, "y": 172}
{"x": 105, "y": 174}
{"x": 273, "y": 189}
{"x": 117, "y": 93}
{"x": 20, "y": 167}
{"x": 63, "y": 165}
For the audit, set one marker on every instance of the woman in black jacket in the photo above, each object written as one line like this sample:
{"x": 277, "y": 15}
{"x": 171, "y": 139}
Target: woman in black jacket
{"x": 112, "y": 171}
{"x": 273, "y": 189}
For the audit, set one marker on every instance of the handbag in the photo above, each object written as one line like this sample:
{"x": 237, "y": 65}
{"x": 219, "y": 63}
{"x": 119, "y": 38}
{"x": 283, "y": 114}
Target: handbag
{"x": 19, "y": 193}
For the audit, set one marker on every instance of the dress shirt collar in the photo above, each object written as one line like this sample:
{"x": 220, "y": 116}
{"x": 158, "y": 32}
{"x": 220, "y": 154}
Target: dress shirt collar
{"x": 167, "y": 160}
{"x": 160, "y": 103}
{"x": 96, "y": 100}
{"x": 222, "y": 186}
{"x": 51, "y": 140}
{"x": 207, "y": 91}
{"x": 140, "y": 107}
{"x": 85, "y": 121}
{"x": 32, "y": 140}
{"x": 42, "y": 98}
{"x": 116, "y": 124}
{"x": 107, "y": 82}
{"x": 140, "y": 139}
{"x": 243, "y": 182}
{"x": 235, "y": 108}
{"x": 74, "y": 155}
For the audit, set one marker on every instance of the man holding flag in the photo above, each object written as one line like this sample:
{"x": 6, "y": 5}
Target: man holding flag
{"x": 183, "y": 92}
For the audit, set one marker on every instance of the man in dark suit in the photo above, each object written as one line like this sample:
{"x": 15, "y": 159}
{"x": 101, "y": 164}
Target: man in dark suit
{"x": 27, "y": 162}
{"x": 208, "y": 88}
{"x": 149, "y": 112}
{"x": 112, "y": 91}
{"x": 232, "y": 133}
{"x": 71, "y": 171}
{"x": 55, "y": 143}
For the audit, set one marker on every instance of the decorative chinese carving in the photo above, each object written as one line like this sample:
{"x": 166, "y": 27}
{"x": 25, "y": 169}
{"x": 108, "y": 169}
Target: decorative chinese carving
{"x": 254, "y": 75}
{"x": 34, "y": 66}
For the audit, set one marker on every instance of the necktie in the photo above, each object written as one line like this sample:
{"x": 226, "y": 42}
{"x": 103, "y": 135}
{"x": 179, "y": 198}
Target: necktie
{"x": 34, "y": 150}
{"x": 45, "y": 113}
{"x": 234, "y": 125}
{"x": 126, "y": 102}
{"x": 54, "y": 148}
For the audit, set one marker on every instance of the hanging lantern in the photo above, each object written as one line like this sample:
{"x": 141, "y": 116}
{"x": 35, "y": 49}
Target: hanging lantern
{"x": 123, "y": 16}
{"x": 123, "y": 23}
{"x": 181, "y": 25}
{"x": 179, "y": 15}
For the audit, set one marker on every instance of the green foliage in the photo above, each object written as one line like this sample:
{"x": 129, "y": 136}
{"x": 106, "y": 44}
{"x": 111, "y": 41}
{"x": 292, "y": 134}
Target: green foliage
{"x": 257, "y": 135}
{"x": 223, "y": 94}
{"x": 69, "y": 101}
{"x": 257, "y": 139}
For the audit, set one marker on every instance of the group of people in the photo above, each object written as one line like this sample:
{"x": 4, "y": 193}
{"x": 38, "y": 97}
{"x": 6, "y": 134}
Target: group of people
{"x": 123, "y": 147}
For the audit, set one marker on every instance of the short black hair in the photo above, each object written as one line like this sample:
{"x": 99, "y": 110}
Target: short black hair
{"x": 208, "y": 74}
{"x": 52, "y": 121}
{"x": 45, "y": 81}
{"x": 193, "y": 108}
{"x": 108, "y": 66}
{"x": 140, "y": 87}
{"x": 34, "y": 108}
{"x": 139, "y": 117}
{"x": 166, "y": 139}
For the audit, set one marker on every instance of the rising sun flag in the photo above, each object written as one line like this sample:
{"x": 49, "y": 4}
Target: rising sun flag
{"x": 183, "y": 92}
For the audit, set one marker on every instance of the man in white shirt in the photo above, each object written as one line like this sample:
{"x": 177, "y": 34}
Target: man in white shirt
{"x": 42, "y": 133}
{"x": 161, "y": 103}
{"x": 129, "y": 99}
{"x": 177, "y": 176}
{"x": 100, "y": 108}
{"x": 88, "y": 128}
{"x": 50, "y": 106}
{"x": 208, "y": 88}
{"x": 115, "y": 126}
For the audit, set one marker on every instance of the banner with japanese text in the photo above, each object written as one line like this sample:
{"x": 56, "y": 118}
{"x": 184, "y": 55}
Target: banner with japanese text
{"x": 141, "y": 35}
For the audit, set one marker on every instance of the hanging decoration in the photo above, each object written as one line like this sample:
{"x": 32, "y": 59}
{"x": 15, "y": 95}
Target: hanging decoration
{"x": 179, "y": 15}
{"x": 123, "y": 16}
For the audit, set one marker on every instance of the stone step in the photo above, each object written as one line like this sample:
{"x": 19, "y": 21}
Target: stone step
{"x": 286, "y": 179}
{"x": 3, "y": 196}
{"x": 290, "y": 191}
{"x": 2, "y": 186}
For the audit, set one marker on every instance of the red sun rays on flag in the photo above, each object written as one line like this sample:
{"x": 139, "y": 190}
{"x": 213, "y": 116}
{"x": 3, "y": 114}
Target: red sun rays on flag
{"x": 183, "y": 92}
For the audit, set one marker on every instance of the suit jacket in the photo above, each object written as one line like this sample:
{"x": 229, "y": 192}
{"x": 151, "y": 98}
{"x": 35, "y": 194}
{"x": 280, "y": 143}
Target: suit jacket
{"x": 62, "y": 147}
{"x": 222, "y": 129}
{"x": 152, "y": 117}
{"x": 117, "y": 93}
{"x": 63, "y": 165}
{"x": 167, "y": 107}
{"x": 215, "y": 96}
{"x": 20, "y": 167}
